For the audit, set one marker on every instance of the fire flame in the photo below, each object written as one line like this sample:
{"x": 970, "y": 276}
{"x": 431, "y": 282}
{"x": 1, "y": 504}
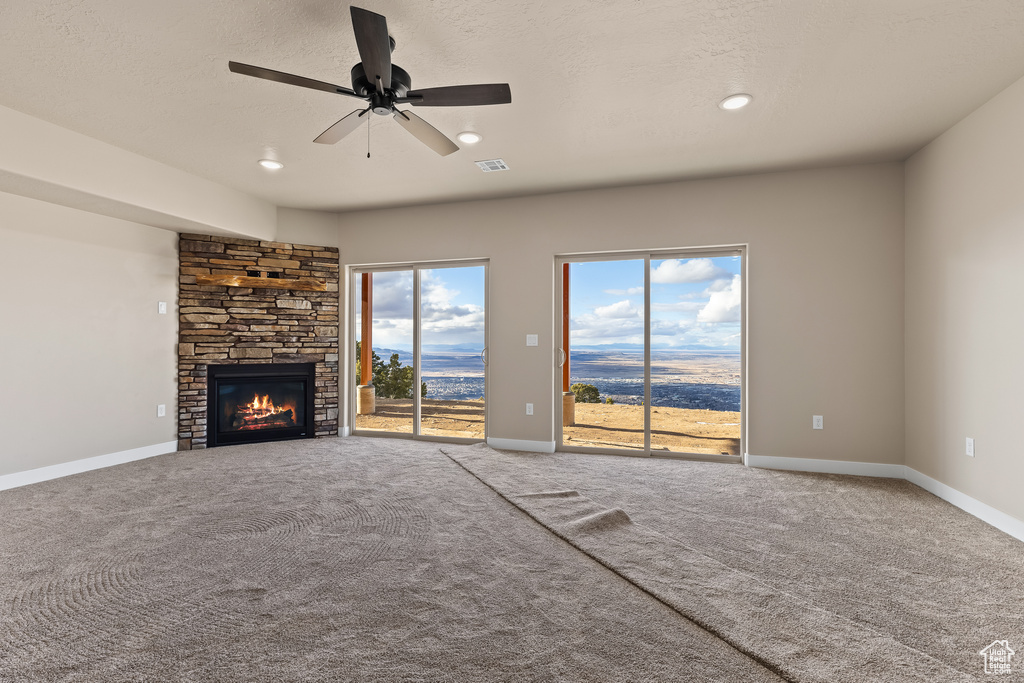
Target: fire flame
{"x": 260, "y": 414}
{"x": 263, "y": 407}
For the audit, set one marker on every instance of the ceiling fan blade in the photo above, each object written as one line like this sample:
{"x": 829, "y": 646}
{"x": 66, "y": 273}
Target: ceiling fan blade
{"x": 426, "y": 133}
{"x": 374, "y": 44}
{"x": 290, "y": 79}
{"x": 342, "y": 128}
{"x": 460, "y": 95}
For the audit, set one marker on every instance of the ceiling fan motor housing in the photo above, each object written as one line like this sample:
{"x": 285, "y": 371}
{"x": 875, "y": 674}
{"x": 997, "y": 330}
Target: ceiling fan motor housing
{"x": 401, "y": 83}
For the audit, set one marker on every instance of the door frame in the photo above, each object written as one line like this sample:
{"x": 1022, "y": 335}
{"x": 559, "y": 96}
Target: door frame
{"x": 353, "y": 284}
{"x": 647, "y": 255}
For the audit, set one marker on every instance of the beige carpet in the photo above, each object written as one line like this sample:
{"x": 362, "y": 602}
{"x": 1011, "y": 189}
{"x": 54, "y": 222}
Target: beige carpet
{"x": 820, "y": 577}
{"x": 324, "y": 560}
{"x": 378, "y": 559}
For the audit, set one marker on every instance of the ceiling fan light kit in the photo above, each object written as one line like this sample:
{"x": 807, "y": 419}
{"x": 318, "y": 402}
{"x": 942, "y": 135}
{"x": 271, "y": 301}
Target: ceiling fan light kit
{"x": 383, "y": 85}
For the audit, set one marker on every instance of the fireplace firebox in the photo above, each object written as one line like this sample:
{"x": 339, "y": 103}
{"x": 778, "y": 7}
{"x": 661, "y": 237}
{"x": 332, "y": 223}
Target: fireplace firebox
{"x": 249, "y": 403}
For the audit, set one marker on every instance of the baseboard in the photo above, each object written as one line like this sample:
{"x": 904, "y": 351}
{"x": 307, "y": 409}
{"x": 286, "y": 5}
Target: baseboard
{"x": 986, "y": 513}
{"x": 861, "y": 469}
{"x": 16, "y": 479}
{"x": 521, "y": 445}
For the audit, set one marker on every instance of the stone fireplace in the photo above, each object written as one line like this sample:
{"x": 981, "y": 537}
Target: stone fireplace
{"x": 249, "y": 303}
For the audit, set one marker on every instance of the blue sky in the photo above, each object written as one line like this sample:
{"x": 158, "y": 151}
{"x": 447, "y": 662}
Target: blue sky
{"x": 453, "y": 307}
{"x": 694, "y": 302}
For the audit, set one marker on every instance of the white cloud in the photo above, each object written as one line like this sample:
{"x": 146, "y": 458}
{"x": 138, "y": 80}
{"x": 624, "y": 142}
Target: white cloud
{"x": 724, "y": 305}
{"x": 593, "y": 330}
{"x": 677, "y": 307}
{"x": 632, "y": 291}
{"x": 392, "y": 295}
{"x": 674, "y": 271}
{"x": 618, "y": 310}
{"x": 443, "y": 322}
{"x": 719, "y": 285}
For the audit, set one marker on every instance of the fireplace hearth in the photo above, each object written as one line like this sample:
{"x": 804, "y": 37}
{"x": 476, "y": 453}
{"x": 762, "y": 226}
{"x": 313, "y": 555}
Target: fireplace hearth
{"x": 249, "y": 403}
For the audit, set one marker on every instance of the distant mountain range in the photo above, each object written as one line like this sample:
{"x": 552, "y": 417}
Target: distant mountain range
{"x": 604, "y": 348}
{"x": 581, "y": 348}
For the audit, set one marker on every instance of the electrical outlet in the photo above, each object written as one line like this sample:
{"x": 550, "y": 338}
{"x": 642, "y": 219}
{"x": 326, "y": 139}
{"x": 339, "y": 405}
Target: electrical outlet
{"x": 161, "y": 410}
{"x": 970, "y": 447}
{"x": 529, "y": 409}
{"x": 818, "y": 422}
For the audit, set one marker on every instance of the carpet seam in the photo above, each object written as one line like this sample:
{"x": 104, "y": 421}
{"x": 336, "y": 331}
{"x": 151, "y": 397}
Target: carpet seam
{"x": 771, "y": 666}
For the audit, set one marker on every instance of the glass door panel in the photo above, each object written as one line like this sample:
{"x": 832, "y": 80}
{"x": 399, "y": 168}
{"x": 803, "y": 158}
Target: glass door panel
{"x": 695, "y": 355}
{"x": 384, "y": 318}
{"x": 452, "y": 347}
{"x": 605, "y": 356}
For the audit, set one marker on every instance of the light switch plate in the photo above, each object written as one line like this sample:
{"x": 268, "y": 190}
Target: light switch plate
{"x": 161, "y": 307}
{"x": 531, "y": 340}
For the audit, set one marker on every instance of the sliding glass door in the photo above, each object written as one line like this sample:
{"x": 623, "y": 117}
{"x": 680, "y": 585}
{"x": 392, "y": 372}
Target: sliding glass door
{"x": 606, "y": 355}
{"x": 652, "y": 351}
{"x": 420, "y": 341}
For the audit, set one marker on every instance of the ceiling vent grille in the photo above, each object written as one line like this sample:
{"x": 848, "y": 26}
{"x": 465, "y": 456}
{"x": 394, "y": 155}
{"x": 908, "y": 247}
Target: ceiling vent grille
{"x": 492, "y": 165}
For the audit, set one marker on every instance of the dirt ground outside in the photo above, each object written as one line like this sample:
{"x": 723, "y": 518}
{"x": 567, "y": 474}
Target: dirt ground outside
{"x": 598, "y": 425}
{"x": 677, "y": 430}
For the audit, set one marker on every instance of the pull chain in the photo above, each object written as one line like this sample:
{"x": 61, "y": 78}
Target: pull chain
{"x": 368, "y": 120}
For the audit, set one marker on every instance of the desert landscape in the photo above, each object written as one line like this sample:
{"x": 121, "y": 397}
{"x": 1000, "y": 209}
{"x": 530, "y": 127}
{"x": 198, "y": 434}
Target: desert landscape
{"x": 598, "y": 425}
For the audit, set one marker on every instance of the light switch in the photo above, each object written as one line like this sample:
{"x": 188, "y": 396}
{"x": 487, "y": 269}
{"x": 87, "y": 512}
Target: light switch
{"x": 161, "y": 307}
{"x": 531, "y": 340}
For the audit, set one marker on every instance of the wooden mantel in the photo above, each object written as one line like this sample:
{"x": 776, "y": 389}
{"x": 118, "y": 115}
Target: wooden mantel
{"x": 304, "y": 284}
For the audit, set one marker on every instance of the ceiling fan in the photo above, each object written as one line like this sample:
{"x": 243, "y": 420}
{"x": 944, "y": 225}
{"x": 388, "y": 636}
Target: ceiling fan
{"x": 384, "y": 85}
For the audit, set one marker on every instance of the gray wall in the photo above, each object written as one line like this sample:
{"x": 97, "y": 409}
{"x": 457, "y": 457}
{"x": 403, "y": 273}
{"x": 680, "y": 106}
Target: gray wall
{"x": 825, "y": 297}
{"x": 85, "y": 357}
{"x": 965, "y": 235}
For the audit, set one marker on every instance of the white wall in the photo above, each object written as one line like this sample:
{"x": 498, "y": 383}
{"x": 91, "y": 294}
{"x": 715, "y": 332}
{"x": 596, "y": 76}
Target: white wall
{"x": 825, "y": 291}
{"x": 964, "y": 282}
{"x": 84, "y": 356}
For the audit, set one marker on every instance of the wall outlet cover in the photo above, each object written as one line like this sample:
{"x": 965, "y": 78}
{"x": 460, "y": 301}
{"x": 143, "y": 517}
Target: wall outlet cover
{"x": 818, "y": 422}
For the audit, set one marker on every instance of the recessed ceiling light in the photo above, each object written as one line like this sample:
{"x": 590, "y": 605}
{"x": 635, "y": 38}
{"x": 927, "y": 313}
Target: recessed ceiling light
{"x": 270, "y": 164}
{"x": 737, "y": 101}
{"x": 469, "y": 137}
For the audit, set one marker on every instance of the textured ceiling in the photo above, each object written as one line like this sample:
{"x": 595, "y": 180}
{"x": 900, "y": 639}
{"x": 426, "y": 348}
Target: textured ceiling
{"x": 604, "y": 91}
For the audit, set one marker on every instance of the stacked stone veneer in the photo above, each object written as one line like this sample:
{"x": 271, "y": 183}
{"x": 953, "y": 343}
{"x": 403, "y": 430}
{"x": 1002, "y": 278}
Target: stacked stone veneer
{"x": 230, "y": 325}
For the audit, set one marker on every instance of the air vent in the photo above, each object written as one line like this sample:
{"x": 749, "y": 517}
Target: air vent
{"x": 492, "y": 165}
